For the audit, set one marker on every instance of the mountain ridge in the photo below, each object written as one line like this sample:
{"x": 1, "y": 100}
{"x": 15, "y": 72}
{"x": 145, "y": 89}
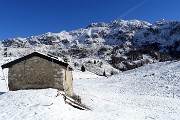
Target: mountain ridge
{"x": 125, "y": 44}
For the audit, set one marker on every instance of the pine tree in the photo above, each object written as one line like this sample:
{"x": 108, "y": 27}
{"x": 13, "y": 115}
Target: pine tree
{"x": 75, "y": 64}
{"x": 82, "y": 68}
{"x": 112, "y": 73}
{"x": 104, "y": 73}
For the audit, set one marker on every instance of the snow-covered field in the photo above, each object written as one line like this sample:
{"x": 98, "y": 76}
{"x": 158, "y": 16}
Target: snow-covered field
{"x": 151, "y": 92}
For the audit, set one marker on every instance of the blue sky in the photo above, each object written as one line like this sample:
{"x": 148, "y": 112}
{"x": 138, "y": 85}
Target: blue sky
{"x": 23, "y": 18}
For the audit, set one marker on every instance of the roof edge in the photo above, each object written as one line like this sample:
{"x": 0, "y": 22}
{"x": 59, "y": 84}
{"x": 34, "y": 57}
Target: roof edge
{"x": 9, "y": 64}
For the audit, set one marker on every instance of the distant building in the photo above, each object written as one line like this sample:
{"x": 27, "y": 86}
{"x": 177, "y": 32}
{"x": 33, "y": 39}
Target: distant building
{"x": 38, "y": 71}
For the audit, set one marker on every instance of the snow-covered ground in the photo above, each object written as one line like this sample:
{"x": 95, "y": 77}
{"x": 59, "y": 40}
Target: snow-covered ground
{"x": 146, "y": 93}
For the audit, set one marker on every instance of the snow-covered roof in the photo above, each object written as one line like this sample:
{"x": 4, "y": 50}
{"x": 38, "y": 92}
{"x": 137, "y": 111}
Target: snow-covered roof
{"x": 41, "y": 55}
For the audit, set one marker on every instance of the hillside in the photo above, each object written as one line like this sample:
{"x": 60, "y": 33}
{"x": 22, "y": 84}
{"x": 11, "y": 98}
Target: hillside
{"x": 124, "y": 44}
{"x": 149, "y": 92}
{"x": 145, "y": 93}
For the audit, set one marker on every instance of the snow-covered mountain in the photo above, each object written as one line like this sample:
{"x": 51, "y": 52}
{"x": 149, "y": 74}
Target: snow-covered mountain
{"x": 125, "y": 44}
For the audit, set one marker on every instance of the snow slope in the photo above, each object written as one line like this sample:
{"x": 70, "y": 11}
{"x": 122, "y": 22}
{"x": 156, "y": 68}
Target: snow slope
{"x": 144, "y": 93}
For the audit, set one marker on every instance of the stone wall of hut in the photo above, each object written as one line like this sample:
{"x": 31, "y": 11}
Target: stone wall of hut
{"x": 38, "y": 73}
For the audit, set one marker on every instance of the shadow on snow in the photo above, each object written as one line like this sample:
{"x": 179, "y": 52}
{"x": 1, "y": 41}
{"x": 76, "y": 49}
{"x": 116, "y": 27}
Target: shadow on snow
{"x": 2, "y": 93}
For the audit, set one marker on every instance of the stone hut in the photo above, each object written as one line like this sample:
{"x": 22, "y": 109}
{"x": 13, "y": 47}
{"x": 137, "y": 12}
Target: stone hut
{"x": 38, "y": 71}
